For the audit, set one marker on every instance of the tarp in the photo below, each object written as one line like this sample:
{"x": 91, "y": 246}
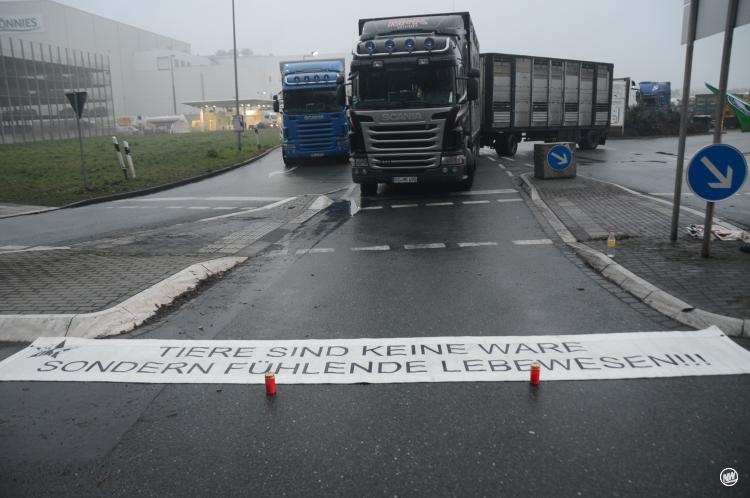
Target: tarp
{"x": 392, "y": 360}
{"x": 740, "y": 107}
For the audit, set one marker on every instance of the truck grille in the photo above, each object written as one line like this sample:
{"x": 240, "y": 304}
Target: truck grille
{"x": 404, "y": 145}
{"x": 315, "y": 135}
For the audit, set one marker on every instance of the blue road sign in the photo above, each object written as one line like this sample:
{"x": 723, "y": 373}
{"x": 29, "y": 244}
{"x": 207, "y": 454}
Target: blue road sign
{"x": 560, "y": 157}
{"x": 716, "y": 172}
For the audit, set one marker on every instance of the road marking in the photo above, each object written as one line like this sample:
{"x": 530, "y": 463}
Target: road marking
{"x": 669, "y": 194}
{"x": 486, "y": 192}
{"x": 438, "y": 245}
{"x": 199, "y": 207}
{"x": 320, "y": 250}
{"x": 510, "y": 159}
{"x": 509, "y": 173}
{"x": 529, "y": 165}
{"x": 371, "y": 208}
{"x": 476, "y": 244}
{"x": 215, "y": 198}
{"x": 281, "y": 172}
{"x": 372, "y": 248}
{"x": 433, "y": 204}
{"x": 261, "y": 208}
{"x": 491, "y": 158}
{"x": 32, "y": 249}
{"x": 476, "y": 202}
{"x": 509, "y": 200}
{"x": 532, "y": 242}
{"x": 501, "y": 166}
{"x": 12, "y": 248}
{"x": 175, "y": 207}
{"x": 223, "y": 208}
{"x": 129, "y": 207}
{"x": 397, "y": 206}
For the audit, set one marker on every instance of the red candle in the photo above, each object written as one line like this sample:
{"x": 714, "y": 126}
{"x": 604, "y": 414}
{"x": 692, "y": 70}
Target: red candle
{"x": 270, "y": 384}
{"x": 535, "y": 373}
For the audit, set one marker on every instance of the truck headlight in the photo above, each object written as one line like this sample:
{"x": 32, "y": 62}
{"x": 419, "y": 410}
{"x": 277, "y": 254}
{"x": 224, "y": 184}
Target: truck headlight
{"x": 290, "y": 147}
{"x": 450, "y": 160}
{"x": 360, "y": 162}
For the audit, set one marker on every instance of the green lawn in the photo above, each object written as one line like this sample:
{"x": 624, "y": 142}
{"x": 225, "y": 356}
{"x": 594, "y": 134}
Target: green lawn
{"x": 49, "y": 173}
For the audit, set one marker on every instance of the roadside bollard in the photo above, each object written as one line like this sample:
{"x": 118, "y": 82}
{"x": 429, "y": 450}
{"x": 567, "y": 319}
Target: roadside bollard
{"x": 270, "y": 384}
{"x": 535, "y": 374}
{"x": 118, "y": 154}
{"x": 131, "y": 167}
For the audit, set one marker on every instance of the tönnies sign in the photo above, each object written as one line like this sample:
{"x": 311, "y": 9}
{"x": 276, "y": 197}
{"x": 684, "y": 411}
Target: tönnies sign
{"x": 22, "y": 24}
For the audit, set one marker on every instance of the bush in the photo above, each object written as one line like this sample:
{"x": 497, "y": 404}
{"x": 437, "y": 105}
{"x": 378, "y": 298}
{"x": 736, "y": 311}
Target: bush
{"x": 644, "y": 122}
{"x": 212, "y": 153}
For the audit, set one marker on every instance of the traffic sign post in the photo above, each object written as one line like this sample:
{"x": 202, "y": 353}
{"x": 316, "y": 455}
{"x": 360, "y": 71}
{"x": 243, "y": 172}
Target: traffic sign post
{"x": 560, "y": 157}
{"x": 716, "y": 172}
{"x": 77, "y": 101}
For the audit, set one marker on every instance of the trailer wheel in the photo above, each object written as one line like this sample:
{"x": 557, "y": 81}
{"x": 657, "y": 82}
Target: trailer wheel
{"x": 511, "y": 145}
{"x": 589, "y": 140}
{"x": 499, "y": 148}
{"x": 369, "y": 188}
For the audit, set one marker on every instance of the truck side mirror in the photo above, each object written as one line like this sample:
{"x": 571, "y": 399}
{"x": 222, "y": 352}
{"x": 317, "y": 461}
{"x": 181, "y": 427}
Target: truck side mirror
{"x": 472, "y": 89}
{"x": 275, "y": 103}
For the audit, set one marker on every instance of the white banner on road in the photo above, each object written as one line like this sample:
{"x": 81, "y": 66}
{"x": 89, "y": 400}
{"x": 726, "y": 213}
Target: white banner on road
{"x": 394, "y": 360}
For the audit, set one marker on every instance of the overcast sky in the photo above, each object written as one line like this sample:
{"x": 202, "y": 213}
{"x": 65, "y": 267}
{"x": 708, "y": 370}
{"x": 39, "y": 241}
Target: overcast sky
{"x": 641, "y": 37}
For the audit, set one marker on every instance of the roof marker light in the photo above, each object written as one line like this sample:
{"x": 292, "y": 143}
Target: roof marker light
{"x": 429, "y": 43}
{"x": 409, "y": 44}
{"x": 390, "y": 45}
{"x": 325, "y": 77}
{"x": 316, "y": 77}
{"x": 307, "y": 79}
{"x": 296, "y": 79}
{"x": 370, "y": 46}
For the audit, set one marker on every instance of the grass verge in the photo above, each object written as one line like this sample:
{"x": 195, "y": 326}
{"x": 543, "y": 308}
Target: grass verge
{"x": 49, "y": 173}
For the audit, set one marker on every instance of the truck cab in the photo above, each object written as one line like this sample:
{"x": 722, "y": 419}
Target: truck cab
{"x": 414, "y": 108}
{"x": 314, "y": 122}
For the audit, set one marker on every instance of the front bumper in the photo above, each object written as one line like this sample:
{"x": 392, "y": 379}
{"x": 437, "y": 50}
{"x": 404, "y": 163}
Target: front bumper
{"x": 295, "y": 153}
{"x": 362, "y": 173}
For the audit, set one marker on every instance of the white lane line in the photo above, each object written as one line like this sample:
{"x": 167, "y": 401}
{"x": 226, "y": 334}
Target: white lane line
{"x": 670, "y": 194}
{"x": 215, "y": 198}
{"x": 370, "y": 208}
{"x": 491, "y": 158}
{"x": 529, "y": 165}
{"x": 532, "y": 242}
{"x": 487, "y": 192}
{"x": 315, "y": 250}
{"x": 281, "y": 172}
{"x": 33, "y": 249}
{"x": 509, "y": 173}
{"x": 476, "y": 202}
{"x": 476, "y": 244}
{"x": 510, "y": 159}
{"x": 509, "y": 200}
{"x": 199, "y": 207}
{"x": 502, "y": 167}
{"x": 434, "y": 204}
{"x": 397, "y": 206}
{"x": 175, "y": 207}
{"x": 279, "y": 252}
{"x": 223, "y": 208}
{"x": 12, "y": 248}
{"x": 109, "y": 207}
{"x": 128, "y": 207}
{"x": 261, "y": 208}
{"x": 438, "y": 245}
{"x": 372, "y": 248}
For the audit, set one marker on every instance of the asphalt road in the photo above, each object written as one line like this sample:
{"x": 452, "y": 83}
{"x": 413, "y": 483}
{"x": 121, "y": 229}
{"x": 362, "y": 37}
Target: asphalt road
{"x": 260, "y": 183}
{"x": 645, "y": 437}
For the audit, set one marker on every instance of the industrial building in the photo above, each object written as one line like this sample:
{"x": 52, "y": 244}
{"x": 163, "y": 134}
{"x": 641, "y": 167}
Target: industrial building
{"x": 47, "y": 49}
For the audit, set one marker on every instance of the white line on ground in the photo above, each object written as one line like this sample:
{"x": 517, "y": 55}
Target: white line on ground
{"x": 438, "y": 245}
{"x": 532, "y": 242}
{"x": 397, "y": 206}
{"x": 510, "y": 159}
{"x": 174, "y": 207}
{"x": 491, "y": 158}
{"x": 33, "y": 249}
{"x": 476, "y": 244}
{"x": 216, "y": 198}
{"x": 509, "y": 173}
{"x": 487, "y": 192}
{"x": 223, "y": 208}
{"x": 670, "y": 194}
{"x": 128, "y": 207}
{"x": 371, "y": 208}
{"x": 281, "y": 172}
{"x": 261, "y": 208}
{"x": 509, "y": 200}
{"x": 372, "y": 248}
{"x": 12, "y": 248}
{"x": 502, "y": 167}
{"x": 476, "y": 202}
{"x": 529, "y": 165}
{"x": 199, "y": 207}
{"x": 433, "y": 204}
{"x": 315, "y": 250}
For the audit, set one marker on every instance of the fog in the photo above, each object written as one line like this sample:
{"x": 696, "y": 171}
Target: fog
{"x": 641, "y": 37}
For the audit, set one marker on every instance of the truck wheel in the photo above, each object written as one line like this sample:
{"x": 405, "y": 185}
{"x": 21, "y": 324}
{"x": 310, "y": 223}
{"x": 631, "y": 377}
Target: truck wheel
{"x": 369, "y": 188}
{"x": 499, "y": 148}
{"x": 472, "y": 161}
{"x": 589, "y": 140}
{"x": 511, "y": 145}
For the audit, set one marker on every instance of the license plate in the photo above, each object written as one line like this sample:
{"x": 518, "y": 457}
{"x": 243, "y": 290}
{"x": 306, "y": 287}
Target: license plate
{"x": 316, "y": 154}
{"x": 404, "y": 179}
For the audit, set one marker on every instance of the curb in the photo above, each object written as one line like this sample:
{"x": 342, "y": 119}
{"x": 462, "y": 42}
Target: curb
{"x": 120, "y": 318}
{"x": 656, "y": 298}
{"x": 149, "y": 190}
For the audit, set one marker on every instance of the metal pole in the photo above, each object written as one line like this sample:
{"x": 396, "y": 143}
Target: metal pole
{"x": 726, "y": 54}
{"x": 693, "y": 19}
{"x": 174, "y": 95}
{"x": 236, "y": 84}
{"x": 83, "y": 160}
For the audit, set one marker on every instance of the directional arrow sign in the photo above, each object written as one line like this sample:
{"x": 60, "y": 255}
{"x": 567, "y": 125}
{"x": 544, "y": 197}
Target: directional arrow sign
{"x": 716, "y": 172}
{"x": 559, "y": 157}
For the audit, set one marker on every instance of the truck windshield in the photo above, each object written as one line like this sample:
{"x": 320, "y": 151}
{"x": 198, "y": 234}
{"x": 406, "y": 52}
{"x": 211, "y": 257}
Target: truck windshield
{"x": 310, "y": 101}
{"x": 404, "y": 86}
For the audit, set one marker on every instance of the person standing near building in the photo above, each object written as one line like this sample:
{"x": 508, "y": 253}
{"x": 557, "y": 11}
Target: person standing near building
{"x": 257, "y": 136}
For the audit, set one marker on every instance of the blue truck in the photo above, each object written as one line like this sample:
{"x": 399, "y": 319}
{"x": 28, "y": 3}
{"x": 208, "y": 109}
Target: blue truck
{"x": 656, "y": 95}
{"x": 313, "y": 104}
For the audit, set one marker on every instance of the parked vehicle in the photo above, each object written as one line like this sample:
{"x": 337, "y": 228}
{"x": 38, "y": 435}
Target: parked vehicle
{"x": 314, "y": 120}
{"x": 414, "y": 106}
{"x": 541, "y": 98}
{"x": 656, "y": 95}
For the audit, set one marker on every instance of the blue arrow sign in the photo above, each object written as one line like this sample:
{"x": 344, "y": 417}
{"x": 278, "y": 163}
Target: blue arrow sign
{"x": 716, "y": 172}
{"x": 559, "y": 157}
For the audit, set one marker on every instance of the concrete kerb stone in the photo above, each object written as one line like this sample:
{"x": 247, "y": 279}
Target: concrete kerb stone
{"x": 650, "y": 294}
{"x": 149, "y": 190}
{"x": 118, "y": 319}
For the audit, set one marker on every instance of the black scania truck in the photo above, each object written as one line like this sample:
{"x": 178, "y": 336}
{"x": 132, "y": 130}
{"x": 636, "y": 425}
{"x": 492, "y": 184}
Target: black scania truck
{"x": 415, "y": 101}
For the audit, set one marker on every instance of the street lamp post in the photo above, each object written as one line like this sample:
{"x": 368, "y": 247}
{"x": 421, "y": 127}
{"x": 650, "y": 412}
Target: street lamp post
{"x": 174, "y": 95}
{"x": 236, "y": 84}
